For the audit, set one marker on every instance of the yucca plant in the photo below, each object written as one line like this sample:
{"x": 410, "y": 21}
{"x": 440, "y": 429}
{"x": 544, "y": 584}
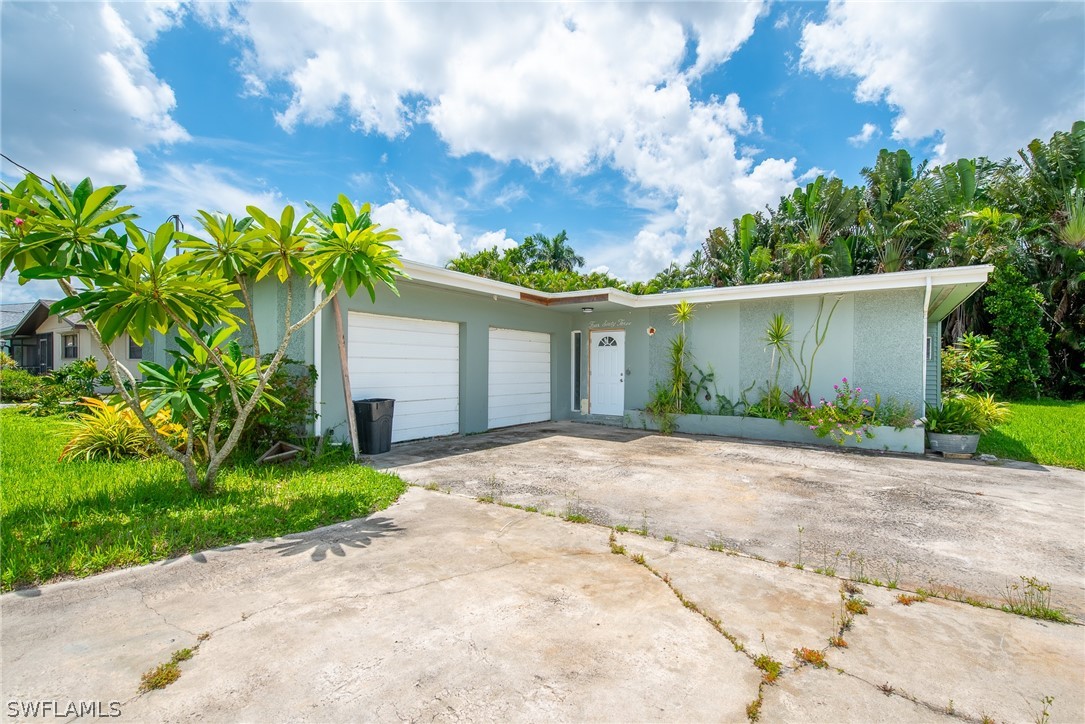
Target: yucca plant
{"x": 111, "y": 431}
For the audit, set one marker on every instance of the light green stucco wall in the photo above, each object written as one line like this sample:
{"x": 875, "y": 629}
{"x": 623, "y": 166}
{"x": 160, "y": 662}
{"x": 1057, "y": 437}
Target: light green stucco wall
{"x": 875, "y": 339}
{"x": 475, "y": 314}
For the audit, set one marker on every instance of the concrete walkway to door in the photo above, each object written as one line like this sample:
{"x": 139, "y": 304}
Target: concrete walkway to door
{"x": 966, "y": 529}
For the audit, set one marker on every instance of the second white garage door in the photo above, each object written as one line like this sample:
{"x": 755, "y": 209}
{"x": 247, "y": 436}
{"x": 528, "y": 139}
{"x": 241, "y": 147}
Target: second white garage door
{"x": 416, "y": 362}
{"x": 519, "y": 377}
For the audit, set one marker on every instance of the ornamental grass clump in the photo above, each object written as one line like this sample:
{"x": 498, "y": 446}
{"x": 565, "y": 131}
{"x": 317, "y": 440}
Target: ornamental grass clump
{"x": 111, "y": 431}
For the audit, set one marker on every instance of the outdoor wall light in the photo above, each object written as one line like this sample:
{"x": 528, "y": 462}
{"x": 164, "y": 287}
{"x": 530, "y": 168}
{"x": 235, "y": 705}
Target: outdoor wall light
{"x": 651, "y": 331}
{"x": 587, "y": 310}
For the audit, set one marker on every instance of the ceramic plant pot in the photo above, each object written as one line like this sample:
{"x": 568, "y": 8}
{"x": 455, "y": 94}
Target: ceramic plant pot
{"x": 953, "y": 444}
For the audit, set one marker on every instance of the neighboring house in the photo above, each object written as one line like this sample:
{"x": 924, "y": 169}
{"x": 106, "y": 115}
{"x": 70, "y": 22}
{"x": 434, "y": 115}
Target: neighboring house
{"x": 41, "y": 342}
{"x": 463, "y": 354}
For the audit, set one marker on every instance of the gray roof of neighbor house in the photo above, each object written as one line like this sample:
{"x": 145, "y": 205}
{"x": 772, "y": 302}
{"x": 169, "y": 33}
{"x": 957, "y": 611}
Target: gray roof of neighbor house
{"x": 23, "y": 318}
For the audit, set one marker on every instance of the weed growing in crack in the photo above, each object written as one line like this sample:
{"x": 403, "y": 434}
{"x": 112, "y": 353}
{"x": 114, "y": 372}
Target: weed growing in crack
{"x": 432, "y": 486}
{"x": 1032, "y": 598}
{"x": 639, "y": 558}
{"x": 615, "y": 547}
{"x": 886, "y": 689}
{"x": 753, "y": 709}
{"x": 856, "y": 606}
{"x": 670, "y": 539}
{"x": 643, "y": 530}
{"x": 160, "y": 677}
{"x": 622, "y": 528}
{"x": 798, "y": 563}
{"x": 1044, "y": 717}
{"x": 855, "y": 566}
{"x": 769, "y": 666}
{"x": 893, "y": 578}
{"x": 813, "y": 657}
{"x": 165, "y": 674}
{"x": 905, "y": 599}
{"x": 850, "y": 588}
{"x": 838, "y": 642}
{"x": 781, "y": 564}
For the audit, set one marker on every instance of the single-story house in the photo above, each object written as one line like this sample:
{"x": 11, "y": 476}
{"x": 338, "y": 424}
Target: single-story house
{"x": 41, "y": 342}
{"x": 462, "y": 354}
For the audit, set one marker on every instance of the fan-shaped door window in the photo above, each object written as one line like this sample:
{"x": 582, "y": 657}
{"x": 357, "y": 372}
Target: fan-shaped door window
{"x": 608, "y": 342}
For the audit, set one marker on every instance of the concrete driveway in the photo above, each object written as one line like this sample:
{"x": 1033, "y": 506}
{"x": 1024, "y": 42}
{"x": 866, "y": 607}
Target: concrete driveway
{"x": 442, "y": 608}
{"x": 964, "y": 528}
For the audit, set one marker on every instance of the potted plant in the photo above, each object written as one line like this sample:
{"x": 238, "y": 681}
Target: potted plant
{"x": 955, "y": 426}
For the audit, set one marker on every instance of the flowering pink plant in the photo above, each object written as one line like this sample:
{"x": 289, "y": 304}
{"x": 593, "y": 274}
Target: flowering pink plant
{"x": 846, "y": 416}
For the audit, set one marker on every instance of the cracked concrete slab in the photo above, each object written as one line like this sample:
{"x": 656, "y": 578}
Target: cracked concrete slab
{"x": 769, "y": 609}
{"x": 439, "y": 608}
{"x": 934, "y": 657}
{"x": 914, "y": 519}
{"x": 444, "y": 608}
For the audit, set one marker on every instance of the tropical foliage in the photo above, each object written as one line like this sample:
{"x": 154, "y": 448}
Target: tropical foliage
{"x": 1025, "y": 215}
{"x": 122, "y": 278}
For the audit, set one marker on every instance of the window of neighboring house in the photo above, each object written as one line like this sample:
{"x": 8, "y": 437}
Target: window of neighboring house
{"x": 71, "y": 345}
{"x": 135, "y": 351}
{"x": 930, "y": 348}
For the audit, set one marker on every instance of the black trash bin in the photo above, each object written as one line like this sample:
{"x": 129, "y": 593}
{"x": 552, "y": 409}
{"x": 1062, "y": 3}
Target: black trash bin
{"x": 374, "y": 420}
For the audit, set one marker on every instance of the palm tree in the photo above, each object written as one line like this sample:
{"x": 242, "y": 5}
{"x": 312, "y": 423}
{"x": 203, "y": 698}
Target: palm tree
{"x": 552, "y": 252}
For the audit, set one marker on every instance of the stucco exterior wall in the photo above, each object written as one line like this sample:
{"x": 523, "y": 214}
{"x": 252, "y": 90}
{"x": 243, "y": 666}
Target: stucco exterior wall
{"x": 475, "y": 314}
{"x": 890, "y": 337}
{"x": 874, "y": 339}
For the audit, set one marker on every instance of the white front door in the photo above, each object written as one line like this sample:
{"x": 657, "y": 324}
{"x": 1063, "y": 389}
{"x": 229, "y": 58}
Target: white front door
{"x": 606, "y": 380}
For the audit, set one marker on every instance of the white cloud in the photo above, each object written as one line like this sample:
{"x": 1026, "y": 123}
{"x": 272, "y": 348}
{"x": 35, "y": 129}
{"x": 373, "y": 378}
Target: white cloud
{"x": 812, "y": 173}
{"x": 184, "y": 188}
{"x": 80, "y": 97}
{"x": 952, "y": 71}
{"x": 490, "y": 239}
{"x": 424, "y": 238}
{"x": 12, "y": 293}
{"x": 565, "y": 86}
{"x": 867, "y": 132}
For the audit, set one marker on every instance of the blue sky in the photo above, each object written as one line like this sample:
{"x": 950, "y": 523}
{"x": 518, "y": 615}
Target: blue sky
{"x": 636, "y": 127}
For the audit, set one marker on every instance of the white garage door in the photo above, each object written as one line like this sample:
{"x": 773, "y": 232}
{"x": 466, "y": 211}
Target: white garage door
{"x": 519, "y": 377}
{"x": 415, "y": 362}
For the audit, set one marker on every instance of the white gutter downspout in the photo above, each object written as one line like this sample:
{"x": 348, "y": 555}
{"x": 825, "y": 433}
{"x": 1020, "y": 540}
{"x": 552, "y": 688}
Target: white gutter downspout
{"x": 318, "y": 339}
{"x": 926, "y": 324}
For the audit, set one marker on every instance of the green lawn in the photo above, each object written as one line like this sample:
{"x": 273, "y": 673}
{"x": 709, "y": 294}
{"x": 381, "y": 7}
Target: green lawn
{"x": 1048, "y": 432}
{"x": 79, "y": 518}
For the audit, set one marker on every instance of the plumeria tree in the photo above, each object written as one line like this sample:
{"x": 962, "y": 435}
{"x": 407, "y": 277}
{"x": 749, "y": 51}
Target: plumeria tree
{"x": 122, "y": 279}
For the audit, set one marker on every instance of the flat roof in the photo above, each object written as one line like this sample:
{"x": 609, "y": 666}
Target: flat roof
{"x": 949, "y": 287}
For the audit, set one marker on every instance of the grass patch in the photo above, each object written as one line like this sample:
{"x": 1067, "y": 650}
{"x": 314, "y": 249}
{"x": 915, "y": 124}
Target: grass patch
{"x": 81, "y": 518}
{"x": 1047, "y": 432}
